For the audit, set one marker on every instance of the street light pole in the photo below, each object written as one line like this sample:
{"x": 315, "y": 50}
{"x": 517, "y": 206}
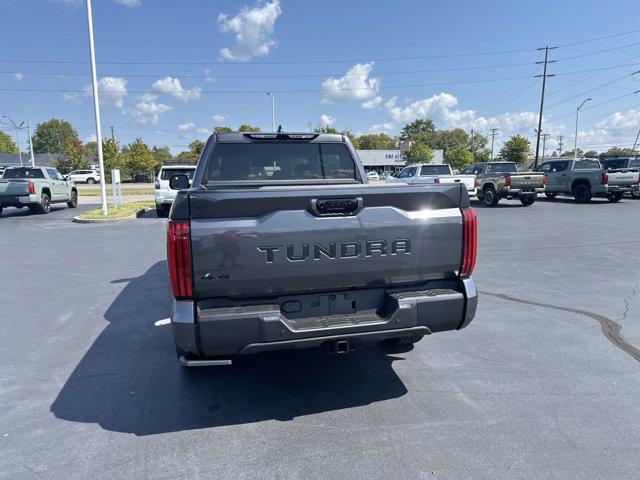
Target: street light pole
{"x": 16, "y": 127}
{"x": 575, "y": 144}
{"x": 96, "y": 108}
{"x": 33, "y": 160}
{"x": 273, "y": 112}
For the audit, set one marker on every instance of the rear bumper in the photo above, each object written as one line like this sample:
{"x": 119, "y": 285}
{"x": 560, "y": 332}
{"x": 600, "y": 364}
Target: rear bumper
{"x": 260, "y": 328}
{"x": 622, "y": 188}
{"x": 518, "y": 192}
{"x": 15, "y": 200}
{"x": 164, "y": 197}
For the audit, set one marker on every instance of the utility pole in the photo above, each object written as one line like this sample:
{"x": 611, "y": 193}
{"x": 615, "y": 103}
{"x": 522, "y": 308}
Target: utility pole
{"x": 544, "y": 143}
{"x": 96, "y": 109}
{"x": 113, "y": 133}
{"x": 544, "y": 84}
{"x": 273, "y": 112}
{"x": 33, "y": 160}
{"x": 16, "y": 127}
{"x": 560, "y": 138}
{"x": 575, "y": 143}
{"x": 473, "y": 149}
{"x": 493, "y": 137}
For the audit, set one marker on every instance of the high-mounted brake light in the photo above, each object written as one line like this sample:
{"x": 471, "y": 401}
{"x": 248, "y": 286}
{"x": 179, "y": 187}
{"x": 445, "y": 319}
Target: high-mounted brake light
{"x": 31, "y": 187}
{"x": 179, "y": 259}
{"x": 507, "y": 180}
{"x": 469, "y": 241}
{"x": 605, "y": 179}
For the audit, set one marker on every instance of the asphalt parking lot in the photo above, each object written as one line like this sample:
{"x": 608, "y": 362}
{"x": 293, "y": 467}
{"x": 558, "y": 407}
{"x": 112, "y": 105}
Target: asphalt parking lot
{"x": 545, "y": 382}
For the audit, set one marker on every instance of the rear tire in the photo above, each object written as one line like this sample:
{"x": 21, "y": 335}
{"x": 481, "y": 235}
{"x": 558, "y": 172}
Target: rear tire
{"x": 490, "y": 197}
{"x": 45, "y": 204}
{"x": 615, "y": 197}
{"x": 636, "y": 195}
{"x": 91, "y": 180}
{"x": 1, "y": 208}
{"x": 582, "y": 193}
{"x": 551, "y": 195}
{"x": 528, "y": 200}
{"x": 73, "y": 203}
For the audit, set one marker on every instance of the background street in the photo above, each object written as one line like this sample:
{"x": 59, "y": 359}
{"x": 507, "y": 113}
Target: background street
{"x": 544, "y": 383}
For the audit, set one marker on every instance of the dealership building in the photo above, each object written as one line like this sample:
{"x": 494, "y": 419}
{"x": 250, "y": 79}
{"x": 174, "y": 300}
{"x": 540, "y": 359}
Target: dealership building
{"x": 389, "y": 160}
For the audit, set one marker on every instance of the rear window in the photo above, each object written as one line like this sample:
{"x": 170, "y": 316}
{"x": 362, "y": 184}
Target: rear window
{"x": 586, "y": 164}
{"x": 613, "y": 163}
{"x": 503, "y": 168}
{"x": 23, "y": 173}
{"x": 635, "y": 163}
{"x": 408, "y": 172}
{"x": 435, "y": 170}
{"x": 273, "y": 162}
{"x": 167, "y": 173}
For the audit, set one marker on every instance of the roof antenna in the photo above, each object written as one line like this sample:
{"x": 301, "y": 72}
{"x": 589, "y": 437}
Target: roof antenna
{"x": 279, "y": 128}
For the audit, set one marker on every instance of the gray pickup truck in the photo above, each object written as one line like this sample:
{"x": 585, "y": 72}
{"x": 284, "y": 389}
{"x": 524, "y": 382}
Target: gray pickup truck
{"x": 496, "y": 180}
{"x": 584, "y": 178}
{"x": 280, "y": 243}
{"x": 623, "y": 163}
{"x": 36, "y": 188}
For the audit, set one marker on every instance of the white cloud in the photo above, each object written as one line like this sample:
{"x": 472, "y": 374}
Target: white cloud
{"x": 209, "y": 78}
{"x": 253, "y": 29}
{"x": 18, "y": 76}
{"x": 327, "y": 120}
{"x": 129, "y": 3}
{"x": 355, "y": 85}
{"x": 112, "y": 91}
{"x": 219, "y": 118}
{"x": 90, "y": 138}
{"x": 204, "y": 131}
{"x": 173, "y": 87}
{"x": 373, "y": 103}
{"x": 381, "y": 128}
{"x": 70, "y": 97}
{"x": 621, "y": 123}
{"x": 147, "y": 110}
{"x": 186, "y": 126}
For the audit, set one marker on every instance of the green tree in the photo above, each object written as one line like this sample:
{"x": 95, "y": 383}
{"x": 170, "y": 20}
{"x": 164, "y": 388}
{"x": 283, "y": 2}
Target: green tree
{"x": 7, "y": 145}
{"x": 161, "y": 154}
{"x": 380, "y": 141}
{"x": 458, "y": 157}
{"x": 53, "y": 136}
{"x": 91, "y": 148}
{"x": 193, "y": 154}
{"x": 248, "y": 128}
{"x": 445, "y": 139}
{"x": 222, "y": 129}
{"x": 74, "y": 158}
{"x": 613, "y": 151}
{"x": 111, "y": 156}
{"x": 419, "y": 129}
{"x": 516, "y": 149}
{"x": 591, "y": 154}
{"x": 138, "y": 158}
{"x": 569, "y": 153}
{"x": 418, "y": 152}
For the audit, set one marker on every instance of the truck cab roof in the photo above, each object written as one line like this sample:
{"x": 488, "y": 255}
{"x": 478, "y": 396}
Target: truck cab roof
{"x": 249, "y": 137}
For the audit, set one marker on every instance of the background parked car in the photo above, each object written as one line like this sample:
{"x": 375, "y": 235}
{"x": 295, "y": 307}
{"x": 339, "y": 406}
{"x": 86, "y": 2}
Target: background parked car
{"x": 432, "y": 173}
{"x": 373, "y": 175}
{"x": 496, "y": 180}
{"x": 36, "y": 188}
{"x": 84, "y": 176}
{"x": 620, "y": 163}
{"x": 163, "y": 194}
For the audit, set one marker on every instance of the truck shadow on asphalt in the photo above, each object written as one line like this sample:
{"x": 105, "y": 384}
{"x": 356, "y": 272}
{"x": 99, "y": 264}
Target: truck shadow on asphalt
{"x": 130, "y": 381}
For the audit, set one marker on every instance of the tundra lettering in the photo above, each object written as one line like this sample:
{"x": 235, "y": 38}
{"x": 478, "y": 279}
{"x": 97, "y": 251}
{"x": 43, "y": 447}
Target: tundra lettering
{"x": 300, "y": 253}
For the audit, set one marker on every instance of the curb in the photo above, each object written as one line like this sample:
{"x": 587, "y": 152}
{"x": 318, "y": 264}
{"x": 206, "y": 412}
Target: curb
{"x": 133, "y": 216}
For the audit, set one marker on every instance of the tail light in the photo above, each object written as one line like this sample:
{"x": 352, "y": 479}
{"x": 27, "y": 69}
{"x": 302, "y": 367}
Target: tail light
{"x": 31, "y": 187}
{"x": 157, "y": 184}
{"x": 179, "y": 259}
{"x": 436, "y": 180}
{"x": 469, "y": 241}
{"x": 639, "y": 178}
{"x": 475, "y": 182}
{"x": 507, "y": 180}
{"x": 605, "y": 179}
{"x": 544, "y": 180}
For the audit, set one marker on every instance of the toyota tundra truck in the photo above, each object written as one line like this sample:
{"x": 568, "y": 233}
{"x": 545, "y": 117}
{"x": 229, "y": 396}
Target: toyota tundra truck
{"x": 281, "y": 243}
{"x": 496, "y": 180}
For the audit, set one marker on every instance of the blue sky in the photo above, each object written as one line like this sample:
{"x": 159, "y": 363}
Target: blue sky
{"x": 172, "y": 69}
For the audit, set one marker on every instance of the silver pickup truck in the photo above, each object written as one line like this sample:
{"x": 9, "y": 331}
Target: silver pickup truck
{"x": 36, "y": 188}
{"x": 496, "y": 180}
{"x": 623, "y": 163}
{"x": 281, "y": 243}
{"x": 584, "y": 178}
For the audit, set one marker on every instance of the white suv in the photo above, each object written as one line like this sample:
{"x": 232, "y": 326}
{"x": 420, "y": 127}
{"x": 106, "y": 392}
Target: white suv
{"x": 163, "y": 194}
{"x": 84, "y": 176}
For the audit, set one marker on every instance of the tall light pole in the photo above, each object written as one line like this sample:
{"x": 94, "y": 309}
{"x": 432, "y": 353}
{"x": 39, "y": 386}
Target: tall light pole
{"x": 575, "y": 143}
{"x": 273, "y": 112}
{"x": 16, "y": 128}
{"x": 96, "y": 108}
{"x": 33, "y": 160}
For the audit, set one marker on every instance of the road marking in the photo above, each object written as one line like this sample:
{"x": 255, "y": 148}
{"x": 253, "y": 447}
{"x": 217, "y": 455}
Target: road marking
{"x": 164, "y": 321}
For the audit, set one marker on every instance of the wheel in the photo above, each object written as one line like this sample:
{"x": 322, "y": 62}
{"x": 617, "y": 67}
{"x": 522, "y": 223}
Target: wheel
{"x": 615, "y": 197}
{"x": 45, "y": 204}
{"x": 73, "y": 203}
{"x": 636, "y": 194}
{"x": 551, "y": 195}
{"x": 490, "y": 197}
{"x": 582, "y": 193}
{"x": 1, "y": 207}
{"x": 528, "y": 200}
{"x": 91, "y": 180}
{"x": 161, "y": 210}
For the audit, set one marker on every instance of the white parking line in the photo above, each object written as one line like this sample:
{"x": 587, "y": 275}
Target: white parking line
{"x": 164, "y": 321}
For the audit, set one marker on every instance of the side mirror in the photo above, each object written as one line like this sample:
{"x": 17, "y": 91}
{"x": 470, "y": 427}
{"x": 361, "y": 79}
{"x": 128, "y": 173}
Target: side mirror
{"x": 179, "y": 182}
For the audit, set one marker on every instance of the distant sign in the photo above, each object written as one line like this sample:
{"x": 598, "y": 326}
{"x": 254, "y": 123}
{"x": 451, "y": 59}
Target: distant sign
{"x": 115, "y": 175}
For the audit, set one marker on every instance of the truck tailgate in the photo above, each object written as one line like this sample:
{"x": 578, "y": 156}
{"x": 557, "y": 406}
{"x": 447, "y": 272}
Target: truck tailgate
{"x": 618, "y": 178}
{"x": 275, "y": 240}
{"x": 14, "y": 187}
{"x": 467, "y": 180}
{"x": 527, "y": 180}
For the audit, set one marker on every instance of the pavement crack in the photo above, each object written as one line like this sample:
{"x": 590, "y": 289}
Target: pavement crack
{"x": 609, "y": 328}
{"x": 627, "y": 301}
